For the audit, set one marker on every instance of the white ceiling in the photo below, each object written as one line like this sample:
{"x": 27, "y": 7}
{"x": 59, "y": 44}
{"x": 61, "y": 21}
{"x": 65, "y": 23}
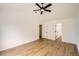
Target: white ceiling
{"x": 59, "y": 10}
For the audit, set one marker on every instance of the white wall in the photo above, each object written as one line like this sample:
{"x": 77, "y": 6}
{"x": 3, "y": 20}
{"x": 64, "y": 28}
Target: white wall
{"x": 66, "y": 14}
{"x": 78, "y": 24}
{"x": 19, "y": 25}
{"x": 69, "y": 30}
{"x": 78, "y": 21}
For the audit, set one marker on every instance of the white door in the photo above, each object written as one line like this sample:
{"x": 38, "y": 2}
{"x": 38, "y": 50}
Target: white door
{"x": 58, "y": 31}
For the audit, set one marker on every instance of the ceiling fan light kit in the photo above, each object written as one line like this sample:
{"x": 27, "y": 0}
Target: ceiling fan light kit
{"x": 42, "y": 8}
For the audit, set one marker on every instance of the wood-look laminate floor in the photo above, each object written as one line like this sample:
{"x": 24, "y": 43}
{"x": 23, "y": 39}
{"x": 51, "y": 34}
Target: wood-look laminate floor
{"x": 42, "y": 47}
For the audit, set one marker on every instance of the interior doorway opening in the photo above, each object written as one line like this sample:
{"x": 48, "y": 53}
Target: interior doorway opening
{"x": 58, "y": 32}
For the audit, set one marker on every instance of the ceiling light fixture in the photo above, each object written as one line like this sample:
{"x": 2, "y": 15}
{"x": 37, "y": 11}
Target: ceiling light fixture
{"x": 43, "y": 8}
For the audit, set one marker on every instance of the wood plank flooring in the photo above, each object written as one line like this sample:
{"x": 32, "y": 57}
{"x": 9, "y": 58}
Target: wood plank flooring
{"x": 43, "y": 47}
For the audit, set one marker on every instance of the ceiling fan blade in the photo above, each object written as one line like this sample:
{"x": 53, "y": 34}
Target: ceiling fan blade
{"x": 47, "y": 10}
{"x": 41, "y": 12}
{"x": 37, "y": 10}
{"x": 38, "y": 5}
{"x": 48, "y": 5}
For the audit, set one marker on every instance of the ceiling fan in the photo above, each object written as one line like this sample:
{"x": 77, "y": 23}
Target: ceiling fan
{"x": 42, "y": 8}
